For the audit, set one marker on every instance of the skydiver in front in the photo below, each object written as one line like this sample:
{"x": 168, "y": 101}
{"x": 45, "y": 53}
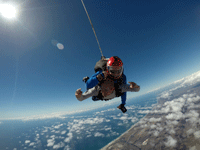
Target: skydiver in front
{"x": 108, "y": 84}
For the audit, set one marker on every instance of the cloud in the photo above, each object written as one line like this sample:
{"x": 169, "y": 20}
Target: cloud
{"x": 197, "y": 134}
{"x": 67, "y": 148}
{"x": 144, "y": 111}
{"x": 153, "y": 126}
{"x": 32, "y": 144}
{"x": 88, "y": 136}
{"x": 46, "y": 129}
{"x": 156, "y": 133}
{"x": 68, "y": 139}
{"x": 190, "y": 131}
{"x": 134, "y": 119}
{"x": 172, "y": 131}
{"x": 123, "y": 118}
{"x": 106, "y": 129}
{"x": 53, "y": 136}
{"x": 184, "y": 82}
{"x": 119, "y": 124}
{"x": 59, "y": 145}
{"x": 165, "y": 95}
{"x": 98, "y": 134}
{"x": 58, "y": 126}
{"x": 27, "y": 141}
{"x": 77, "y": 125}
{"x": 177, "y": 116}
{"x": 170, "y": 142}
{"x": 50, "y": 142}
{"x": 171, "y": 123}
{"x": 63, "y": 132}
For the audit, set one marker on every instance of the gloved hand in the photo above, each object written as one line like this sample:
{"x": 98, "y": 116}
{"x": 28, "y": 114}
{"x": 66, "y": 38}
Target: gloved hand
{"x": 123, "y": 109}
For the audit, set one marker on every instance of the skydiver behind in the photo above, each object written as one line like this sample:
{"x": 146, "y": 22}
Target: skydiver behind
{"x": 108, "y": 82}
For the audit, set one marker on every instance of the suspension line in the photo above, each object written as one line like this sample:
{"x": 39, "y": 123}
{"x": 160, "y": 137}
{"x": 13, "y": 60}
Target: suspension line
{"x": 92, "y": 28}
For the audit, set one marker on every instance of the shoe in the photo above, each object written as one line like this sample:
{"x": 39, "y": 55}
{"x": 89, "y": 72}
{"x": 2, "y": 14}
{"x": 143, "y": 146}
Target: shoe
{"x": 85, "y": 79}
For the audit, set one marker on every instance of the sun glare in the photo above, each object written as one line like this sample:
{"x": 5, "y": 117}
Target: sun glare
{"x": 7, "y": 11}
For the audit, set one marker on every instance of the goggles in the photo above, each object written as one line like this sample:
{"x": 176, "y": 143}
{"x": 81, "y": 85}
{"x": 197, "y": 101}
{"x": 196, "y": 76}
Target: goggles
{"x": 115, "y": 70}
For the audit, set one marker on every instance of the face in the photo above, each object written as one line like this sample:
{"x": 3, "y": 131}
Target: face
{"x": 116, "y": 71}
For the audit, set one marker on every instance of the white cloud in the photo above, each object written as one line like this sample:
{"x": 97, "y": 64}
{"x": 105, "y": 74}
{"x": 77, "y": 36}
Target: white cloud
{"x": 197, "y": 134}
{"x": 52, "y": 136}
{"x": 156, "y": 133}
{"x": 61, "y": 137}
{"x": 123, "y": 118}
{"x": 170, "y": 142}
{"x": 50, "y": 142}
{"x": 114, "y": 134}
{"x": 134, "y": 119}
{"x": 153, "y": 126}
{"x": 177, "y": 116}
{"x": 46, "y": 129}
{"x": 88, "y": 136}
{"x": 27, "y": 141}
{"x": 67, "y": 148}
{"x": 171, "y": 131}
{"x": 192, "y": 79}
{"x": 160, "y": 128}
{"x": 174, "y": 122}
{"x": 98, "y": 134}
{"x": 32, "y": 144}
{"x": 165, "y": 95}
{"x": 193, "y": 113}
{"x": 193, "y": 117}
{"x": 187, "y": 81}
{"x": 106, "y": 129}
{"x": 78, "y": 124}
{"x": 107, "y": 120}
{"x": 63, "y": 132}
{"x": 58, "y": 126}
{"x": 190, "y": 131}
{"x": 119, "y": 124}
{"x": 59, "y": 145}
{"x": 68, "y": 139}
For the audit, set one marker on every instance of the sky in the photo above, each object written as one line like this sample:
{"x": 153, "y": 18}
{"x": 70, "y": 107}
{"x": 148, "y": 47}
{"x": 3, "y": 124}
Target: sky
{"x": 158, "y": 42}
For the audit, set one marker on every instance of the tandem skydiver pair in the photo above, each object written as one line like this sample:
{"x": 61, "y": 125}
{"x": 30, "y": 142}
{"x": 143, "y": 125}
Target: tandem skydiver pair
{"x": 108, "y": 82}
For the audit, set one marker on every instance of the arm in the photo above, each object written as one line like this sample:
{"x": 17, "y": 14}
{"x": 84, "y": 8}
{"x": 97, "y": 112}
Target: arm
{"x": 89, "y": 93}
{"x": 132, "y": 87}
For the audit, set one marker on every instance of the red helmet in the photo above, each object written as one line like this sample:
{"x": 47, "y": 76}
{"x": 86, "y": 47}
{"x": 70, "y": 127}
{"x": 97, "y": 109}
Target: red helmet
{"x": 115, "y": 66}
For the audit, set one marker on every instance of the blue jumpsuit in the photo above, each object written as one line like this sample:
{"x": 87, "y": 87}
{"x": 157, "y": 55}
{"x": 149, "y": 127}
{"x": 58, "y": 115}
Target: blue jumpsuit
{"x": 93, "y": 81}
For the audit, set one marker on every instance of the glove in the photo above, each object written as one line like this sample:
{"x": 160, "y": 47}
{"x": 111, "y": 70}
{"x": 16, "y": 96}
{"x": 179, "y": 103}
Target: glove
{"x": 123, "y": 109}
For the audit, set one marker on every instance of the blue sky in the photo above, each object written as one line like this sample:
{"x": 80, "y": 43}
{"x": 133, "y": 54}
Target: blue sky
{"x": 158, "y": 42}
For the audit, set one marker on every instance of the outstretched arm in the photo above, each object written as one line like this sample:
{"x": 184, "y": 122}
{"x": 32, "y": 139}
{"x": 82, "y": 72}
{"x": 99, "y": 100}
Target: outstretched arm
{"x": 132, "y": 87}
{"x": 89, "y": 93}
